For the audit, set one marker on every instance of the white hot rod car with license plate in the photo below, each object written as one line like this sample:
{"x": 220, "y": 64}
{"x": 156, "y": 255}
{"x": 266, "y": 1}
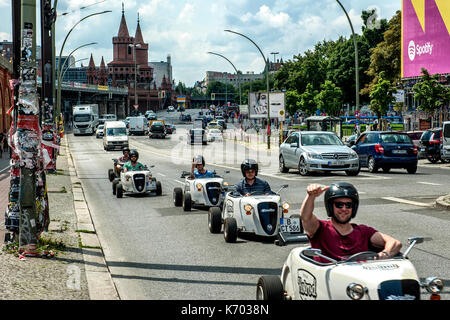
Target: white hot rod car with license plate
{"x": 136, "y": 182}
{"x": 261, "y": 215}
{"x": 360, "y": 277}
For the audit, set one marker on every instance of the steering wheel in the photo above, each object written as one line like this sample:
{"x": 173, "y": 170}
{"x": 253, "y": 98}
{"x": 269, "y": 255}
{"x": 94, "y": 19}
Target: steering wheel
{"x": 365, "y": 255}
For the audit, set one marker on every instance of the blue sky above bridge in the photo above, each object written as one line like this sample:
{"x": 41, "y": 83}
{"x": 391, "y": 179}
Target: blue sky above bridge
{"x": 188, "y": 29}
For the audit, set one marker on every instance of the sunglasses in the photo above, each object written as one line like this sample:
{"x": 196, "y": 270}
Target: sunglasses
{"x": 340, "y": 205}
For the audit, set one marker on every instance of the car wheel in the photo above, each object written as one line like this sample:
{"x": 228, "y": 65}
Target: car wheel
{"x": 158, "y": 188}
{"x": 119, "y": 190}
{"x": 303, "y": 167}
{"x": 178, "y": 197}
{"x": 230, "y": 230}
{"x": 111, "y": 174}
{"x": 282, "y": 166}
{"x": 187, "y": 201}
{"x": 214, "y": 220}
{"x": 371, "y": 165}
{"x": 269, "y": 288}
{"x": 412, "y": 170}
{"x": 433, "y": 158}
{"x": 386, "y": 169}
{"x": 114, "y": 186}
{"x": 353, "y": 173}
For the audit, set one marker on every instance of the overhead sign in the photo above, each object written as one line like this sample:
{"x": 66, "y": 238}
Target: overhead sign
{"x": 425, "y": 37}
{"x": 181, "y": 99}
{"x": 257, "y": 105}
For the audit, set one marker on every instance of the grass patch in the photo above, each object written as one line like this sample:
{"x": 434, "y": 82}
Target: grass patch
{"x": 85, "y": 231}
{"x": 44, "y": 245}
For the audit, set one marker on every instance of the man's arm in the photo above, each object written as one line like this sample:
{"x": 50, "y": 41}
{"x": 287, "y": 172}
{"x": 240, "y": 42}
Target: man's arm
{"x": 390, "y": 245}
{"x": 309, "y": 220}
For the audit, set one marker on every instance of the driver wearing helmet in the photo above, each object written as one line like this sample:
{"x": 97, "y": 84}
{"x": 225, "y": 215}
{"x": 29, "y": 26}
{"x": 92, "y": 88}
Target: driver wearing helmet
{"x": 251, "y": 184}
{"x": 198, "y": 168}
{"x": 337, "y": 237}
{"x": 126, "y": 155}
{"x": 133, "y": 164}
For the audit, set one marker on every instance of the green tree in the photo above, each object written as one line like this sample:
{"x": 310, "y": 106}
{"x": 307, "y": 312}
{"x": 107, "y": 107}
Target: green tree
{"x": 329, "y": 99}
{"x": 381, "y": 96}
{"x": 307, "y": 103}
{"x": 292, "y": 101}
{"x": 429, "y": 93}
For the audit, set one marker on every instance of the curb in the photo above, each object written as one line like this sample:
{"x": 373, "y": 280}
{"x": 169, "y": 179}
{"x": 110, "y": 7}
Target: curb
{"x": 443, "y": 202}
{"x": 100, "y": 284}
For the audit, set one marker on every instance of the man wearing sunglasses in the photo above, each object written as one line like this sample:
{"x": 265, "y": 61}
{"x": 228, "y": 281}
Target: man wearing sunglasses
{"x": 337, "y": 237}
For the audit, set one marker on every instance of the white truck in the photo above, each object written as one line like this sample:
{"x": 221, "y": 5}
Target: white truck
{"x": 85, "y": 119}
{"x": 138, "y": 125}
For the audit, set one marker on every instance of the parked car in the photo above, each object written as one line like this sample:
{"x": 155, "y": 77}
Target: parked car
{"x": 152, "y": 116}
{"x": 415, "y": 136}
{"x": 317, "y": 151}
{"x": 430, "y": 145}
{"x": 170, "y": 109}
{"x": 197, "y": 136}
{"x": 386, "y": 150}
{"x": 170, "y": 128}
{"x": 445, "y": 150}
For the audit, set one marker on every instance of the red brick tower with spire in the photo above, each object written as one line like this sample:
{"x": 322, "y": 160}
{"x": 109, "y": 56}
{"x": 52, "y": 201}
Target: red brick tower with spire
{"x": 102, "y": 74}
{"x": 91, "y": 72}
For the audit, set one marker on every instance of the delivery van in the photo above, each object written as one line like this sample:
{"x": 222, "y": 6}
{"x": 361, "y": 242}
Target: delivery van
{"x": 115, "y": 135}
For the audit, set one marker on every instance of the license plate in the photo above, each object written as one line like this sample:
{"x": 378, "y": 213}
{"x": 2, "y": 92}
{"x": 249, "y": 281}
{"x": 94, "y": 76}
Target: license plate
{"x": 399, "y": 151}
{"x": 290, "y": 224}
{"x": 335, "y": 163}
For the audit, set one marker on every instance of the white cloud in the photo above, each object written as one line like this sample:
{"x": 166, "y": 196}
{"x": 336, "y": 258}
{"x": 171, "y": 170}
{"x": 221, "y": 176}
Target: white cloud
{"x": 276, "y": 20}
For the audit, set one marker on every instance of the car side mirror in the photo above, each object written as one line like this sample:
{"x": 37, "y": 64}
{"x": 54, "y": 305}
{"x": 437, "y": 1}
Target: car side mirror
{"x": 351, "y": 143}
{"x": 294, "y": 145}
{"x": 416, "y": 240}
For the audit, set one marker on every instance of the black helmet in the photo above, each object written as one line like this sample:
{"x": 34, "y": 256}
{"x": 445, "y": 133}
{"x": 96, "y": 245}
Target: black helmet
{"x": 341, "y": 190}
{"x": 125, "y": 149}
{"x": 199, "y": 158}
{"x": 134, "y": 153}
{"x": 248, "y": 164}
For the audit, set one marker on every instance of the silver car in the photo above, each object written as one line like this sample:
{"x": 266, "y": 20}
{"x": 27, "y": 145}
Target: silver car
{"x": 317, "y": 151}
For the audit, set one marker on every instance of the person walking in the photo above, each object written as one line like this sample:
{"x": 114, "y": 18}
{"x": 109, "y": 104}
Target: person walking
{"x": 2, "y": 142}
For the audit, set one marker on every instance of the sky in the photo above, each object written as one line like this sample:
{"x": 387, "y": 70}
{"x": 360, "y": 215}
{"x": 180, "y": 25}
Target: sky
{"x": 187, "y": 30}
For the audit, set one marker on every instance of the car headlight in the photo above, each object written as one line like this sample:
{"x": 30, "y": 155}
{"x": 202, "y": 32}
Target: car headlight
{"x": 314, "y": 155}
{"x": 248, "y": 209}
{"x": 225, "y": 184}
{"x": 199, "y": 186}
{"x": 128, "y": 177}
{"x": 355, "y": 291}
{"x": 353, "y": 155}
{"x": 285, "y": 205}
{"x": 433, "y": 285}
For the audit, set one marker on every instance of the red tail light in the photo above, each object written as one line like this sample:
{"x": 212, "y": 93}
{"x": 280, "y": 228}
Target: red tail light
{"x": 434, "y": 139}
{"x": 415, "y": 150}
{"x": 379, "y": 148}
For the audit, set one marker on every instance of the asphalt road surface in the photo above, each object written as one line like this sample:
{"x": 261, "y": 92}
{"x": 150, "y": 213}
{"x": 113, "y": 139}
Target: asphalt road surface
{"x": 157, "y": 251}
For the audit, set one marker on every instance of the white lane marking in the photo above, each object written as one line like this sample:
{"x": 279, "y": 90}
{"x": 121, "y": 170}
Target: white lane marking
{"x": 178, "y": 181}
{"x": 414, "y": 203}
{"x": 162, "y": 174}
{"x": 430, "y": 183}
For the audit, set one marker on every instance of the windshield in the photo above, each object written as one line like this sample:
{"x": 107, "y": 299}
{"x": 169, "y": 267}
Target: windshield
{"x": 320, "y": 139}
{"x": 82, "y": 118}
{"x": 157, "y": 123}
{"x": 116, "y": 132}
{"x": 395, "y": 138}
{"x": 101, "y": 126}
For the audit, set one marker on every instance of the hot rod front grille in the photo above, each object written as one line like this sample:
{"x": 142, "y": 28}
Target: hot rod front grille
{"x": 268, "y": 213}
{"x": 213, "y": 190}
{"x": 139, "y": 182}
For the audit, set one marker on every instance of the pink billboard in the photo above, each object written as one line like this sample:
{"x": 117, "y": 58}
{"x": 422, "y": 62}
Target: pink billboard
{"x": 425, "y": 37}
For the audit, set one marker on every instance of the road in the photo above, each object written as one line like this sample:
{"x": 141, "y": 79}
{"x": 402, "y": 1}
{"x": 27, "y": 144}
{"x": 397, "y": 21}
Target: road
{"x": 156, "y": 251}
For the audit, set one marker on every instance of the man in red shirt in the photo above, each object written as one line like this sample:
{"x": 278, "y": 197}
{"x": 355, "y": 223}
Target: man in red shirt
{"x": 338, "y": 238}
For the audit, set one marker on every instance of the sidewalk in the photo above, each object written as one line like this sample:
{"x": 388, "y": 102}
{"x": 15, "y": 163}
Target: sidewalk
{"x": 72, "y": 273}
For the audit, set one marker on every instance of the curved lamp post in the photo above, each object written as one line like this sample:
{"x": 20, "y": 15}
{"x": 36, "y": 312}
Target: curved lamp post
{"x": 356, "y": 56}
{"x": 267, "y": 81}
{"x": 60, "y": 79}
{"x": 60, "y": 55}
{"x": 239, "y": 76}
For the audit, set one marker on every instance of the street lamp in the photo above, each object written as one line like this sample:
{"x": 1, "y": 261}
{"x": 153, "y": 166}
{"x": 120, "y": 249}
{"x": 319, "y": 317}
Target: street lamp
{"x": 138, "y": 45}
{"x": 267, "y": 81}
{"x": 239, "y": 76}
{"x": 356, "y": 56}
{"x": 59, "y": 75}
{"x": 60, "y": 55}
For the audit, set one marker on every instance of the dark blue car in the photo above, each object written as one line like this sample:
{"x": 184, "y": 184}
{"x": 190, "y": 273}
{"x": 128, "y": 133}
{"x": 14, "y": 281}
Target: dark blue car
{"x": 386, "y": 150}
